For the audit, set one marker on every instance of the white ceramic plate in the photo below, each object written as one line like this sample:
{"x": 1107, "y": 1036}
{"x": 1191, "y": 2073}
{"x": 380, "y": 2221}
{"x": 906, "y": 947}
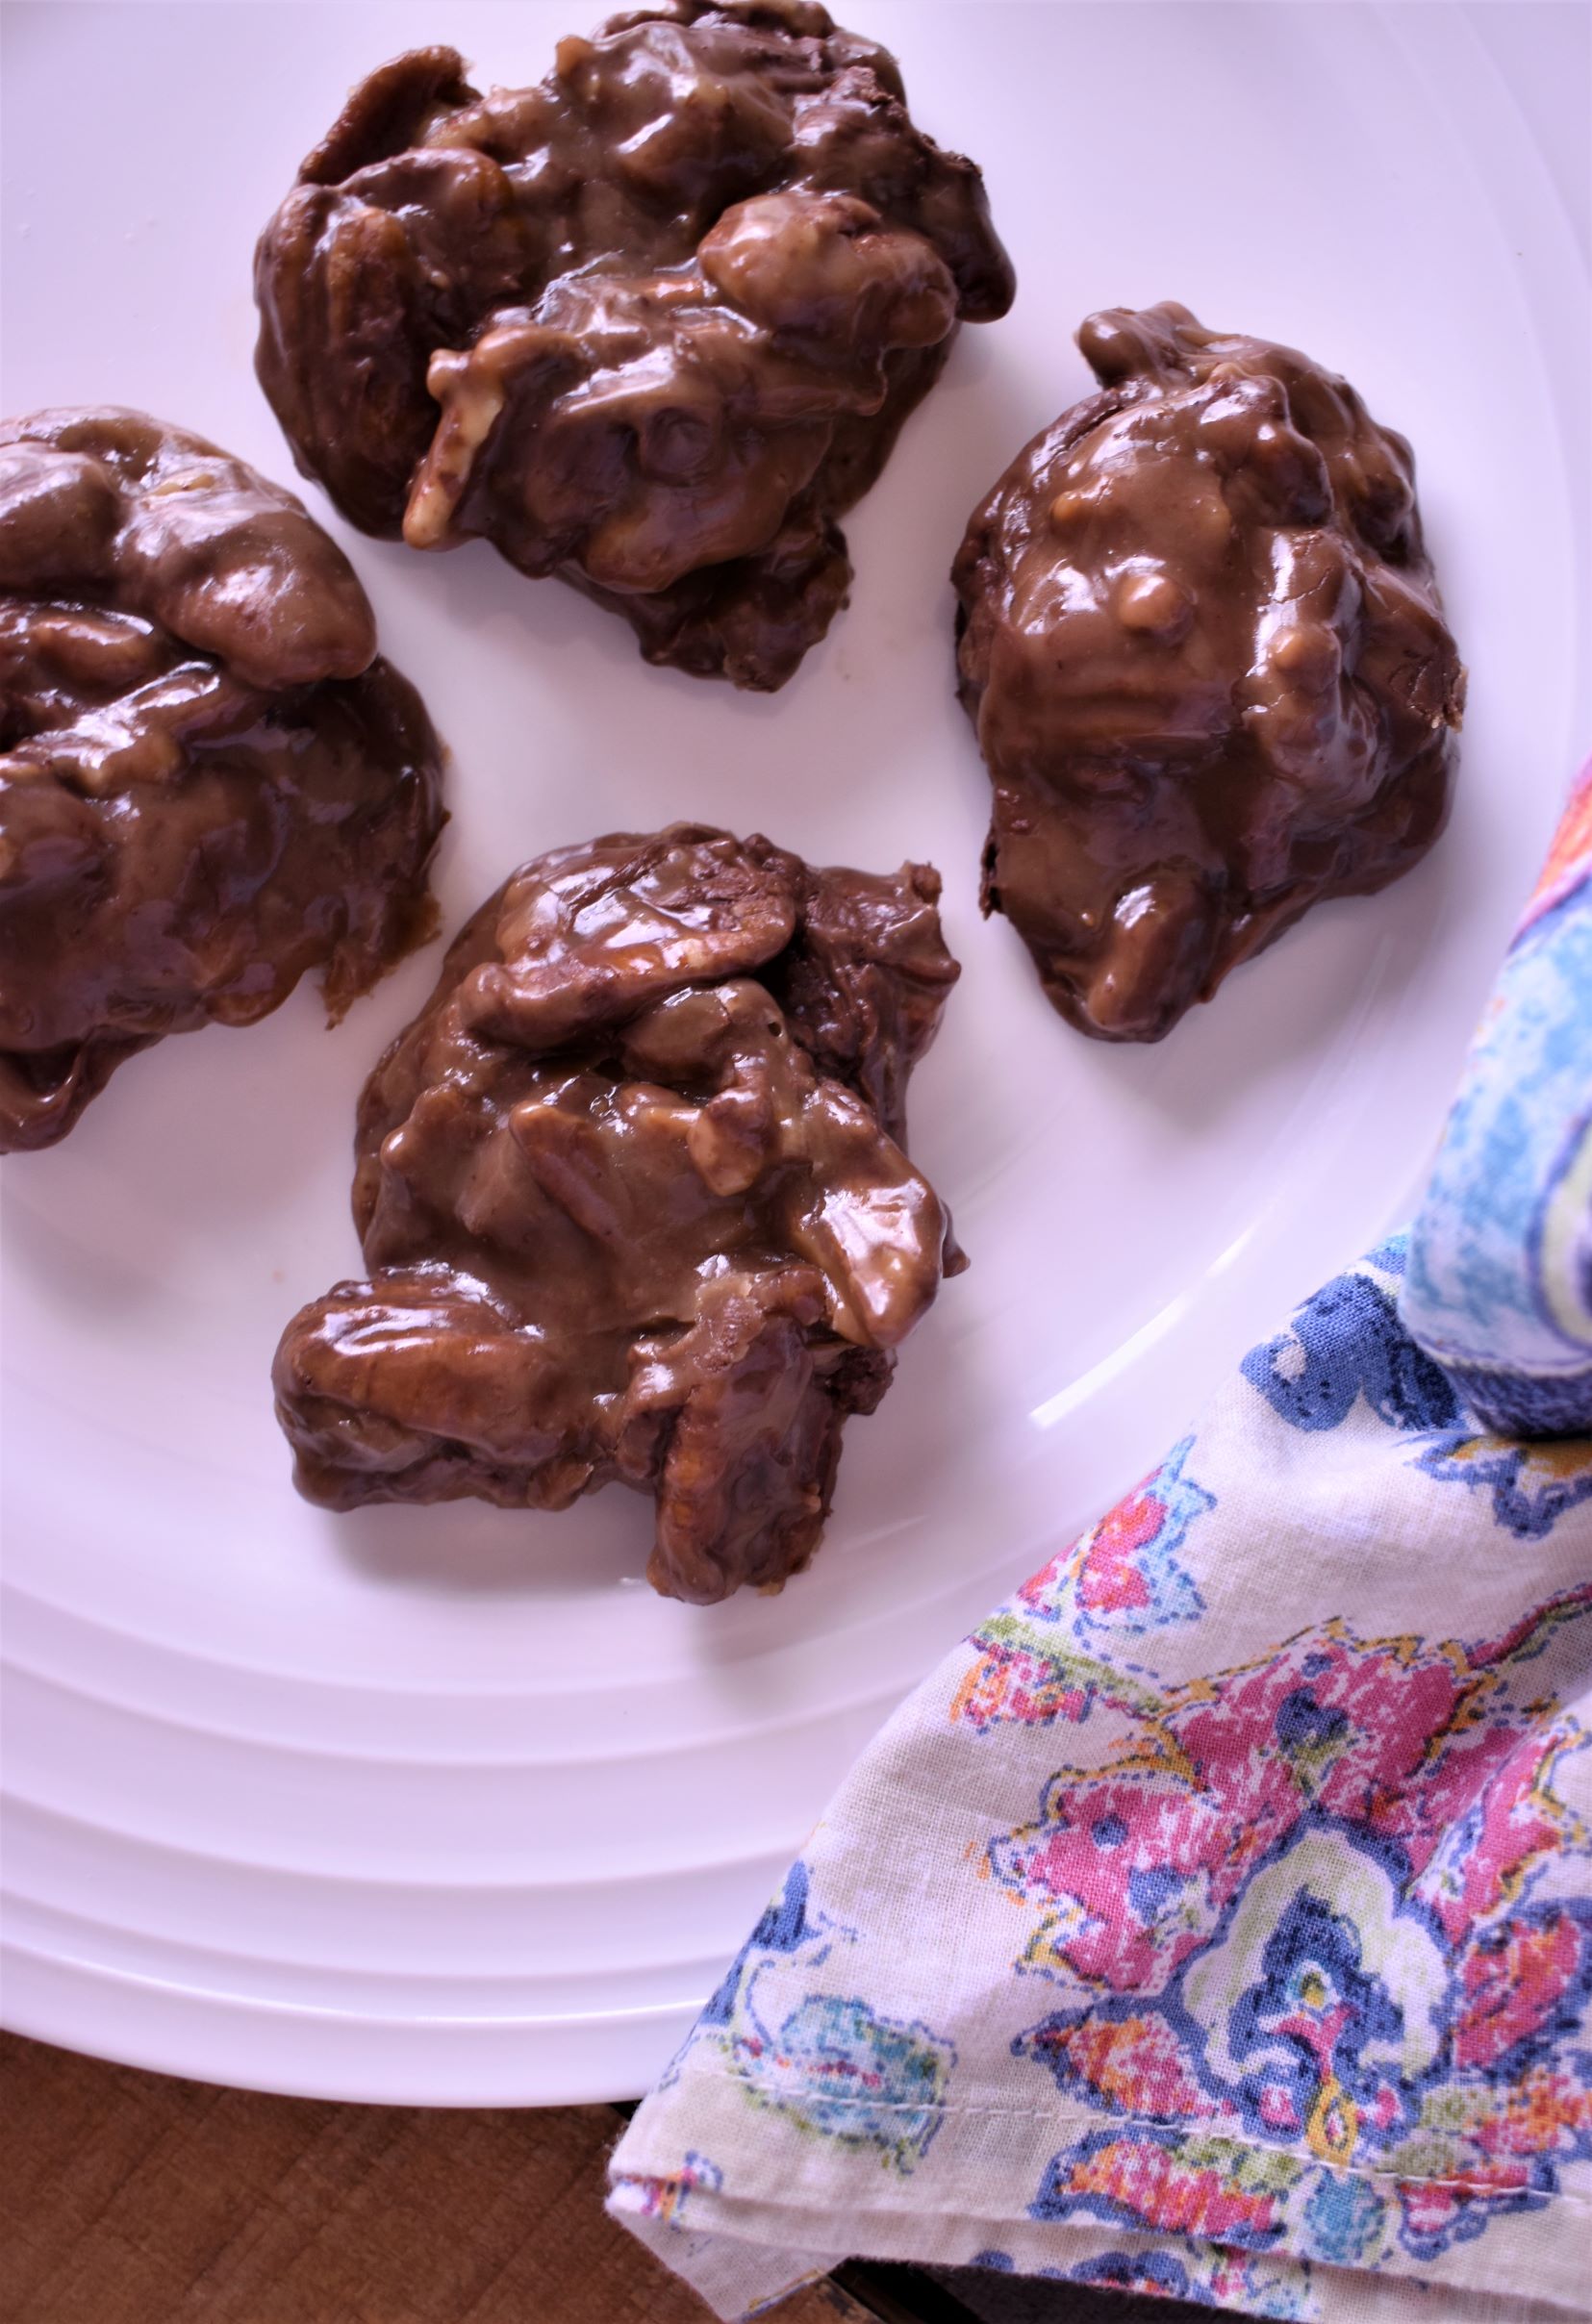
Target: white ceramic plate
{"x": 444, "y": 1804}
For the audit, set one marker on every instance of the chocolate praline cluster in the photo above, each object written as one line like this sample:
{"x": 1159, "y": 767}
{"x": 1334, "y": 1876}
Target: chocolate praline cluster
{"x": 209, "y": 783}
{"x": 635, "y": 1203}
{"x": 652, "y": 325}
{"x": 1202, "y": 646}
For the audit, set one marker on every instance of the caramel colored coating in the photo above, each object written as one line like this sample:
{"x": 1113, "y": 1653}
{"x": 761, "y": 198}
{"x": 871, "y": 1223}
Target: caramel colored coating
{"x": 1202, "y": 647}
{"x": 652, "y": 325}
{"x": 634, "y": 1199}
{"x": 207, "y": 783}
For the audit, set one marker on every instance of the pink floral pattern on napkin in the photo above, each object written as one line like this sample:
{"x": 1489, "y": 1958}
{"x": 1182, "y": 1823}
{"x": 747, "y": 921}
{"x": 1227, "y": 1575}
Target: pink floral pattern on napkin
{"x": 1274, "y": 1981}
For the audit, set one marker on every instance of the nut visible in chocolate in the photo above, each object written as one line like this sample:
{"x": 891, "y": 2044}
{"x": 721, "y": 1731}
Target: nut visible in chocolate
{"x": 208, "y": 784}
{"x": 1202, "y": 647}
{"x": 652, "y": 325}
{"x": 635, "y": 1203}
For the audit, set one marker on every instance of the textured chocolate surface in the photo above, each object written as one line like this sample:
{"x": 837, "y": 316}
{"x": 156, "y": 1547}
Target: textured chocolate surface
{"x": 651, "y": 325}
{"x": 207, "y": 783}
{"x": 635, "y": 1203}
{"x": 1204, "y": 649}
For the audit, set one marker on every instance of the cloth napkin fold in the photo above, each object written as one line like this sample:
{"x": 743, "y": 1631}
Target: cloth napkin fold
{"x": 1216, "y": 1919}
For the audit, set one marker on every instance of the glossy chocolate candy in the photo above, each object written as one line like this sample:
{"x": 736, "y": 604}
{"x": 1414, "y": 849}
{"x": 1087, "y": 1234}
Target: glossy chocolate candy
{"x": 1204, "y": 649}
{"x": 635, "y": 1203}
{"x": 652, "y": 325}
{"x": 209, "y": 783}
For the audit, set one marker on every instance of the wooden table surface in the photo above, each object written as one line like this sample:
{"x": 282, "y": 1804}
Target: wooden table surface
{"x": 133, "y": 2198}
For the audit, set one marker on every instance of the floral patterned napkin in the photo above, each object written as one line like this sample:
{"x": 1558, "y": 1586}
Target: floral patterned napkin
{"x": 1217, "y": 1920}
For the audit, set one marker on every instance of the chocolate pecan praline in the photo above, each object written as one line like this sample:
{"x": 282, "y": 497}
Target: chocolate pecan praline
{"x": 209, "y": 783}
{"x": 652, "y": 325}
{"x": 1202, "y": 646}
{"x": 635, "y": 1203}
